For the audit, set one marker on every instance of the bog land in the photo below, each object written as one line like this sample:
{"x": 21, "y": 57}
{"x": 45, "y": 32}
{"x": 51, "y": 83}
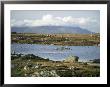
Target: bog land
{"x": 34, "y": 66}
{"x": 57, "y": 39}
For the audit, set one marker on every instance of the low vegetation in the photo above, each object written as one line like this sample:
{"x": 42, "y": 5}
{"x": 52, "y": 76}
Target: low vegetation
{"x": 34, "y": 66}
{"x": 56, "y": 39}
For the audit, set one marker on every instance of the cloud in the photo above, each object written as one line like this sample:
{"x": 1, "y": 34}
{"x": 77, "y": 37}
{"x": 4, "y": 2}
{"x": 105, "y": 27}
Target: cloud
{"x": 80, "y": 21}
{"x": 51, "y": 20}
{"x": 47, "y": 17}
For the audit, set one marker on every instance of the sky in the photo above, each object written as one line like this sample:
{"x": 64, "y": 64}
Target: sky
{"x": 87, "y": 19}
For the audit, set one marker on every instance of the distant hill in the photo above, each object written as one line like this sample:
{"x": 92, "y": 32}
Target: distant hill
{"x": 95, "y": 60}
{"x": 50, "y": 30}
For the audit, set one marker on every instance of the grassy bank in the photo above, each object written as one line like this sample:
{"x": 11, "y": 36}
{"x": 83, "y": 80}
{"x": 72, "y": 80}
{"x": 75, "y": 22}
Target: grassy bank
{"x": 34, "y": 66}
{"x": 57, "y": 39}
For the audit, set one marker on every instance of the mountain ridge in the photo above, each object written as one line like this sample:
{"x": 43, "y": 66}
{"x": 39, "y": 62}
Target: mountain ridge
{"x": 51, "y": 30}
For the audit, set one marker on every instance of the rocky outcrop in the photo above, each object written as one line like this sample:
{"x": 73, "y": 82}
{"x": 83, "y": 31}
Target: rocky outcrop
{"x": 44, "y": 73}
{"x": 71, "y": 58}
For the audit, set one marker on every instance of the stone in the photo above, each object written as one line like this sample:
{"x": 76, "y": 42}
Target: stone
{"x": 71, "y": 58}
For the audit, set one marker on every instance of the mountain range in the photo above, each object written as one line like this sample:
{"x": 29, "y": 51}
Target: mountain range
{"x": 51, "y": 30}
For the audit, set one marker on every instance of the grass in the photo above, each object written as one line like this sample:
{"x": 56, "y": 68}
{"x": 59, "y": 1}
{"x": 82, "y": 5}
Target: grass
{"x": 51, "y": 68}
{"x": 57, "y": 39}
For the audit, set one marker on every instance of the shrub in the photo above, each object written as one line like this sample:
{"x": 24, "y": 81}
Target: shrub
{"x": 29, "y": 56}
{"x": 64, "y": 73}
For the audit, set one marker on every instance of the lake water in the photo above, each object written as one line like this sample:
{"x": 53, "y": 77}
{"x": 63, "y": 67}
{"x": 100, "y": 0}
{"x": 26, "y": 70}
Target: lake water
{"x": 54, "y": 52}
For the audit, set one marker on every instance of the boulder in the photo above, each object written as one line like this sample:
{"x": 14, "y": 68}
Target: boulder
{"x": 71, "y": 58}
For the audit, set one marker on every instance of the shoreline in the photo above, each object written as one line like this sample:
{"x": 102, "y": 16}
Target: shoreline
{"x": 80, "y": 61}
{"x": 57, "y": 39}
{"x": 29, "y": 66}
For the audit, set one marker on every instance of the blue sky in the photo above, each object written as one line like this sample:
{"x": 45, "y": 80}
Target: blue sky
{"x": 86, "y": 19}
